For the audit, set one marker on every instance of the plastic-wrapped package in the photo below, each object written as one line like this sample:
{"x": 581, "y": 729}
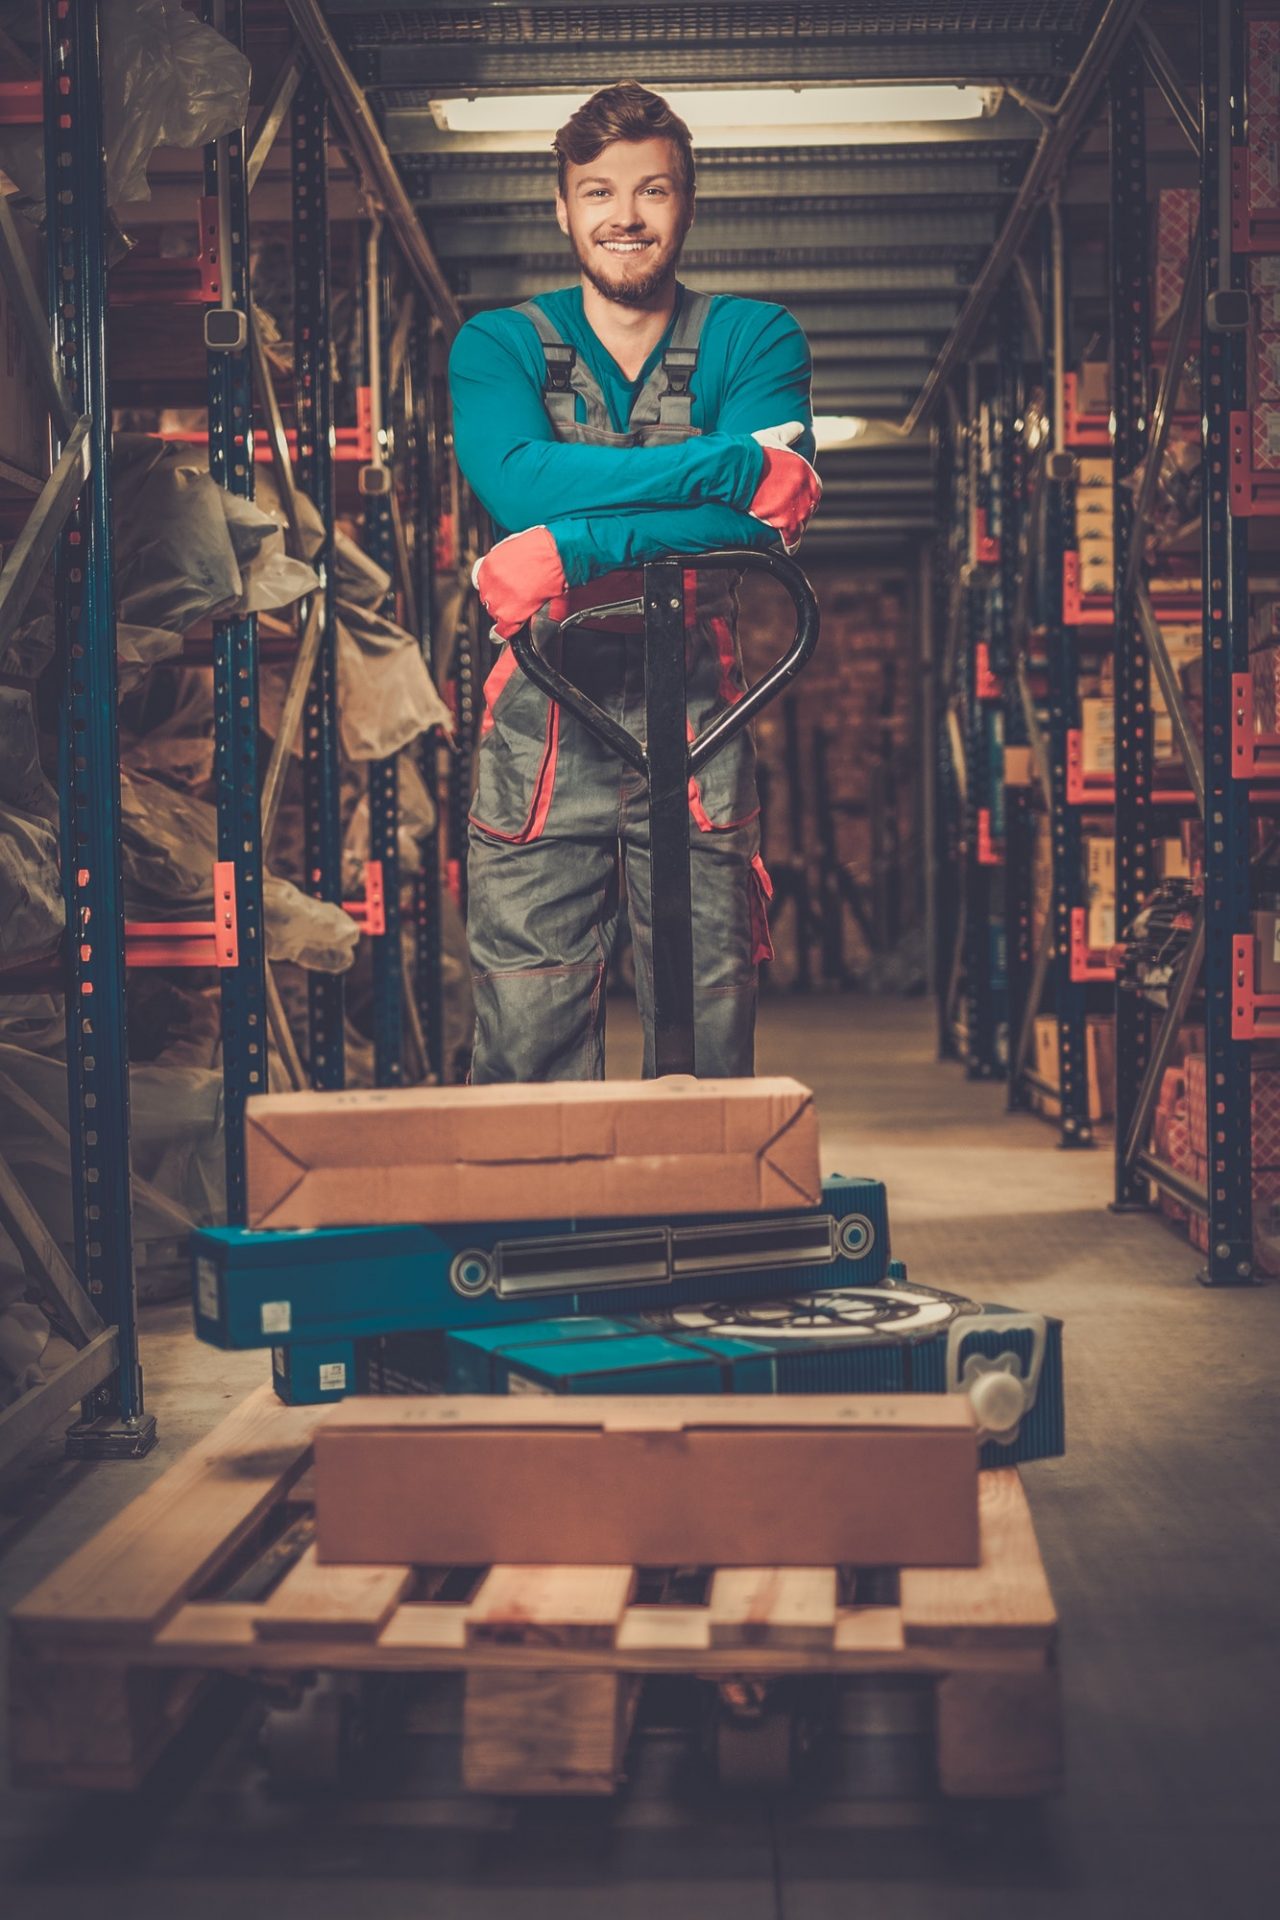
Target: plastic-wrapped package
{"x": 385, "y": 694}
{"x": 175, "y": 1137}
{"x": 32, "y": 913}
{"x": 178, "y": 746}
{"x": 266, "y": 495}
{"x": 271, "y": 577}
{"x": 360, "y": 581}
{"x": 169, "y": 843}
{"x": 174, "y": 561}
{"x": 187, "y": 551}
{"x": 167, "y": 80}
{"x": 417, "y": 819}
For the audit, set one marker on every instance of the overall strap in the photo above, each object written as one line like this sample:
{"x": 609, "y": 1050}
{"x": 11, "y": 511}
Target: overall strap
{"x": 680, "y": 361}
{"x": 557, "y": 387}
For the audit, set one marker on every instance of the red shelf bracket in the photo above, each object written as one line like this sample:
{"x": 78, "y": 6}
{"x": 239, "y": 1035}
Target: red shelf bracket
{"x": 21, "y": 103}
{"x": 1254, "y": 1015}
{"x": 190, "y": 943}
{"x": 990, "y": 852}
{"x": 370, "y": 914}
{"x": 1255, "y": 491}
{"x": 986, "y": 548}
{"x": 1254, "y": 756}
{"x": 985, "y": 683}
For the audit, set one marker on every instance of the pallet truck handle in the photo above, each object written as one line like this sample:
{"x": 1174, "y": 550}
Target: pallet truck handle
{"x": 667, "y": 760}
{"x": 722, "y": 729}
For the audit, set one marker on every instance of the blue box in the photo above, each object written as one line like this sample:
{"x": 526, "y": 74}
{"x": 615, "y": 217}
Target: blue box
{"x": 268, "y": 1289}
{"x": 896, "y": 1338}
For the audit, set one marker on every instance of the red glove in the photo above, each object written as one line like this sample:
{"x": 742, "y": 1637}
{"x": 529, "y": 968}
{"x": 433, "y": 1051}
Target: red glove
{"x": 787, "y": 495}
{"x": 517, "y": 577}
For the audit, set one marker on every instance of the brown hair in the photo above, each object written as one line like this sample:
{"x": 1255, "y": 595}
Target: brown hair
{"x": 626, "y": 111}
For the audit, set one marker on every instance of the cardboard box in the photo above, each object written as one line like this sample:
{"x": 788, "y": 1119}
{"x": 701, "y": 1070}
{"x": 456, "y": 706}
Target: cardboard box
{"x": 1099, "y": 1065}
{"x": 1100, "y": 875}
{"x": 748, "y": 1480}
{"x": 1097, "y": 736}
{"x": 570, "y": 1150}
{"x": 1093, "y": 389}
{"x": 24, "y": 418}
{"x": 1177, "y": 212}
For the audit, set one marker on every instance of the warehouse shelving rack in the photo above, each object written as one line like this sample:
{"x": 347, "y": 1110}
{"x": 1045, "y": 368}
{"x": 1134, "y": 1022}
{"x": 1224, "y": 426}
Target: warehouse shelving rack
{"x": 1051, "y": 618}
{"x": 94, "y": 1298}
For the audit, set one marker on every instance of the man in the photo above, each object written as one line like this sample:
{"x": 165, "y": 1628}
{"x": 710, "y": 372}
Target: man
{"x": 601, "y": 426}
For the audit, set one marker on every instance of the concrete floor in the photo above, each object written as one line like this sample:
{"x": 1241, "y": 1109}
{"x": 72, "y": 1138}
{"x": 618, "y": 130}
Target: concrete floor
{"x": 1159, "y": 1531}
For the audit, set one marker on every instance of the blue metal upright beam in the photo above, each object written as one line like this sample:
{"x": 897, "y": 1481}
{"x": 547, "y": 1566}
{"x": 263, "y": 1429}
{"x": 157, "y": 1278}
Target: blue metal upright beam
{"x": 114, "y": 1422}
{"x": 1064, "y": 714}
{"x": 313, "y": 402}
{"x": 427, "y": 455}
{"x": 235, "y": 673}
{"x": 1018, "y": 824}
{"x": 384, "y": 793}
{"x": 1225, "y": 562}
{"x": 980, "y": 995}
{"x": 1130, "y": 376}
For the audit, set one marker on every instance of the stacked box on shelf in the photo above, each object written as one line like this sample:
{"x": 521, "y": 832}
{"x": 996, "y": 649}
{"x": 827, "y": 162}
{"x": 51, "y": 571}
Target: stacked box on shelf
{"x": 1095, "y": 525}
{"x": 1177, "y": 215}
{"x": 1265, "y": 1119}
{"x": 1099, "y": 1062}
{"x": 1264, "y": 359}
{"x": 1185, "y": 646}
{"x": 1100, "y": 890}
{"x": 1097, "y": 736}
{"x": 1171, "y": 1138}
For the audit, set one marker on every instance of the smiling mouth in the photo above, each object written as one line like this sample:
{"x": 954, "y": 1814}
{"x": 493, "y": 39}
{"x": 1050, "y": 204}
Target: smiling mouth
{"x": 625, "y": 246}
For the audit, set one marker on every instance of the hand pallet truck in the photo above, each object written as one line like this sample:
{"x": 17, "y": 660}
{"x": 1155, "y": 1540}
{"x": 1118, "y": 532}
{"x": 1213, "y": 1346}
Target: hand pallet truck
{"x": 667, "y": 759}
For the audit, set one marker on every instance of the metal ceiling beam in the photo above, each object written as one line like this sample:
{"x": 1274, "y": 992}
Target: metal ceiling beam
{"x": 852, "y": 321}
{"x": 1047, "y": 165}
{"x": 877, "y": 346}
{"x": 382, "y": 184}
{"x": 585, "y": 62}
{"x": 945, "y": 235}
{"x": 850, "y": 371}
{"x": 502, "y": 283}
{"x": 972, "y": 172}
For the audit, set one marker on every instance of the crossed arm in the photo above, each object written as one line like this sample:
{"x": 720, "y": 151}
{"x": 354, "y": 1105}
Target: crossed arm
{"x": 610, "y": 507}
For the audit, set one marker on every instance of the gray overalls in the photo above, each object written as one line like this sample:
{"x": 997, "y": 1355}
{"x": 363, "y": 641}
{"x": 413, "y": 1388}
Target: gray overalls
{"x": 555, "y": 814}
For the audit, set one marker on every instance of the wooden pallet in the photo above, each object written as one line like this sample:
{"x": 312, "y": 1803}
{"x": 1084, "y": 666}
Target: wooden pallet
{"x": 212, "y": 1570}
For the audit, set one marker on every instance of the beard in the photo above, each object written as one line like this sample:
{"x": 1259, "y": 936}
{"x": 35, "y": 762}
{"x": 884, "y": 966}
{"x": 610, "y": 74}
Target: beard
{"x": 630, "y": 289}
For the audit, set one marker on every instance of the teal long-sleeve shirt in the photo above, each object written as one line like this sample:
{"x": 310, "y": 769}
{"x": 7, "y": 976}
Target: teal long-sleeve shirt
{"x": 609, "y": 507}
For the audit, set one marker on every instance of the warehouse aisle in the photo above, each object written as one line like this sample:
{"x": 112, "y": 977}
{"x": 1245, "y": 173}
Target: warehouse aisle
{"x": 1168, "y": 1627}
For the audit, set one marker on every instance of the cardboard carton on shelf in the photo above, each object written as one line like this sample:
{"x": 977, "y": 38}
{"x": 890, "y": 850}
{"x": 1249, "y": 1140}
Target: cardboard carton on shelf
{"x": 1093, "y": 471}
{"x": 1097, "y": 737}
{"x": 581, "y": 1149}
{"x": 1093, "y": 387}
{"x": 1100, "y": 889}
{"x": 679, "y": 1480}
{"x": 1099, "y": 1066}
{"x": 1177, "y": 212}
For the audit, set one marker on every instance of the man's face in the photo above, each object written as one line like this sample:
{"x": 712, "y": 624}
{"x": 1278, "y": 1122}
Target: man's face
{"x": 626, "y": 215}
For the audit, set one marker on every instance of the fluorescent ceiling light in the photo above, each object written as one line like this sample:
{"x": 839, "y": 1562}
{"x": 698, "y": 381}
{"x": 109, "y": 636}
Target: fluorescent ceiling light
{"x": 836, "y": 430}
{"x": 726, "y": 109}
